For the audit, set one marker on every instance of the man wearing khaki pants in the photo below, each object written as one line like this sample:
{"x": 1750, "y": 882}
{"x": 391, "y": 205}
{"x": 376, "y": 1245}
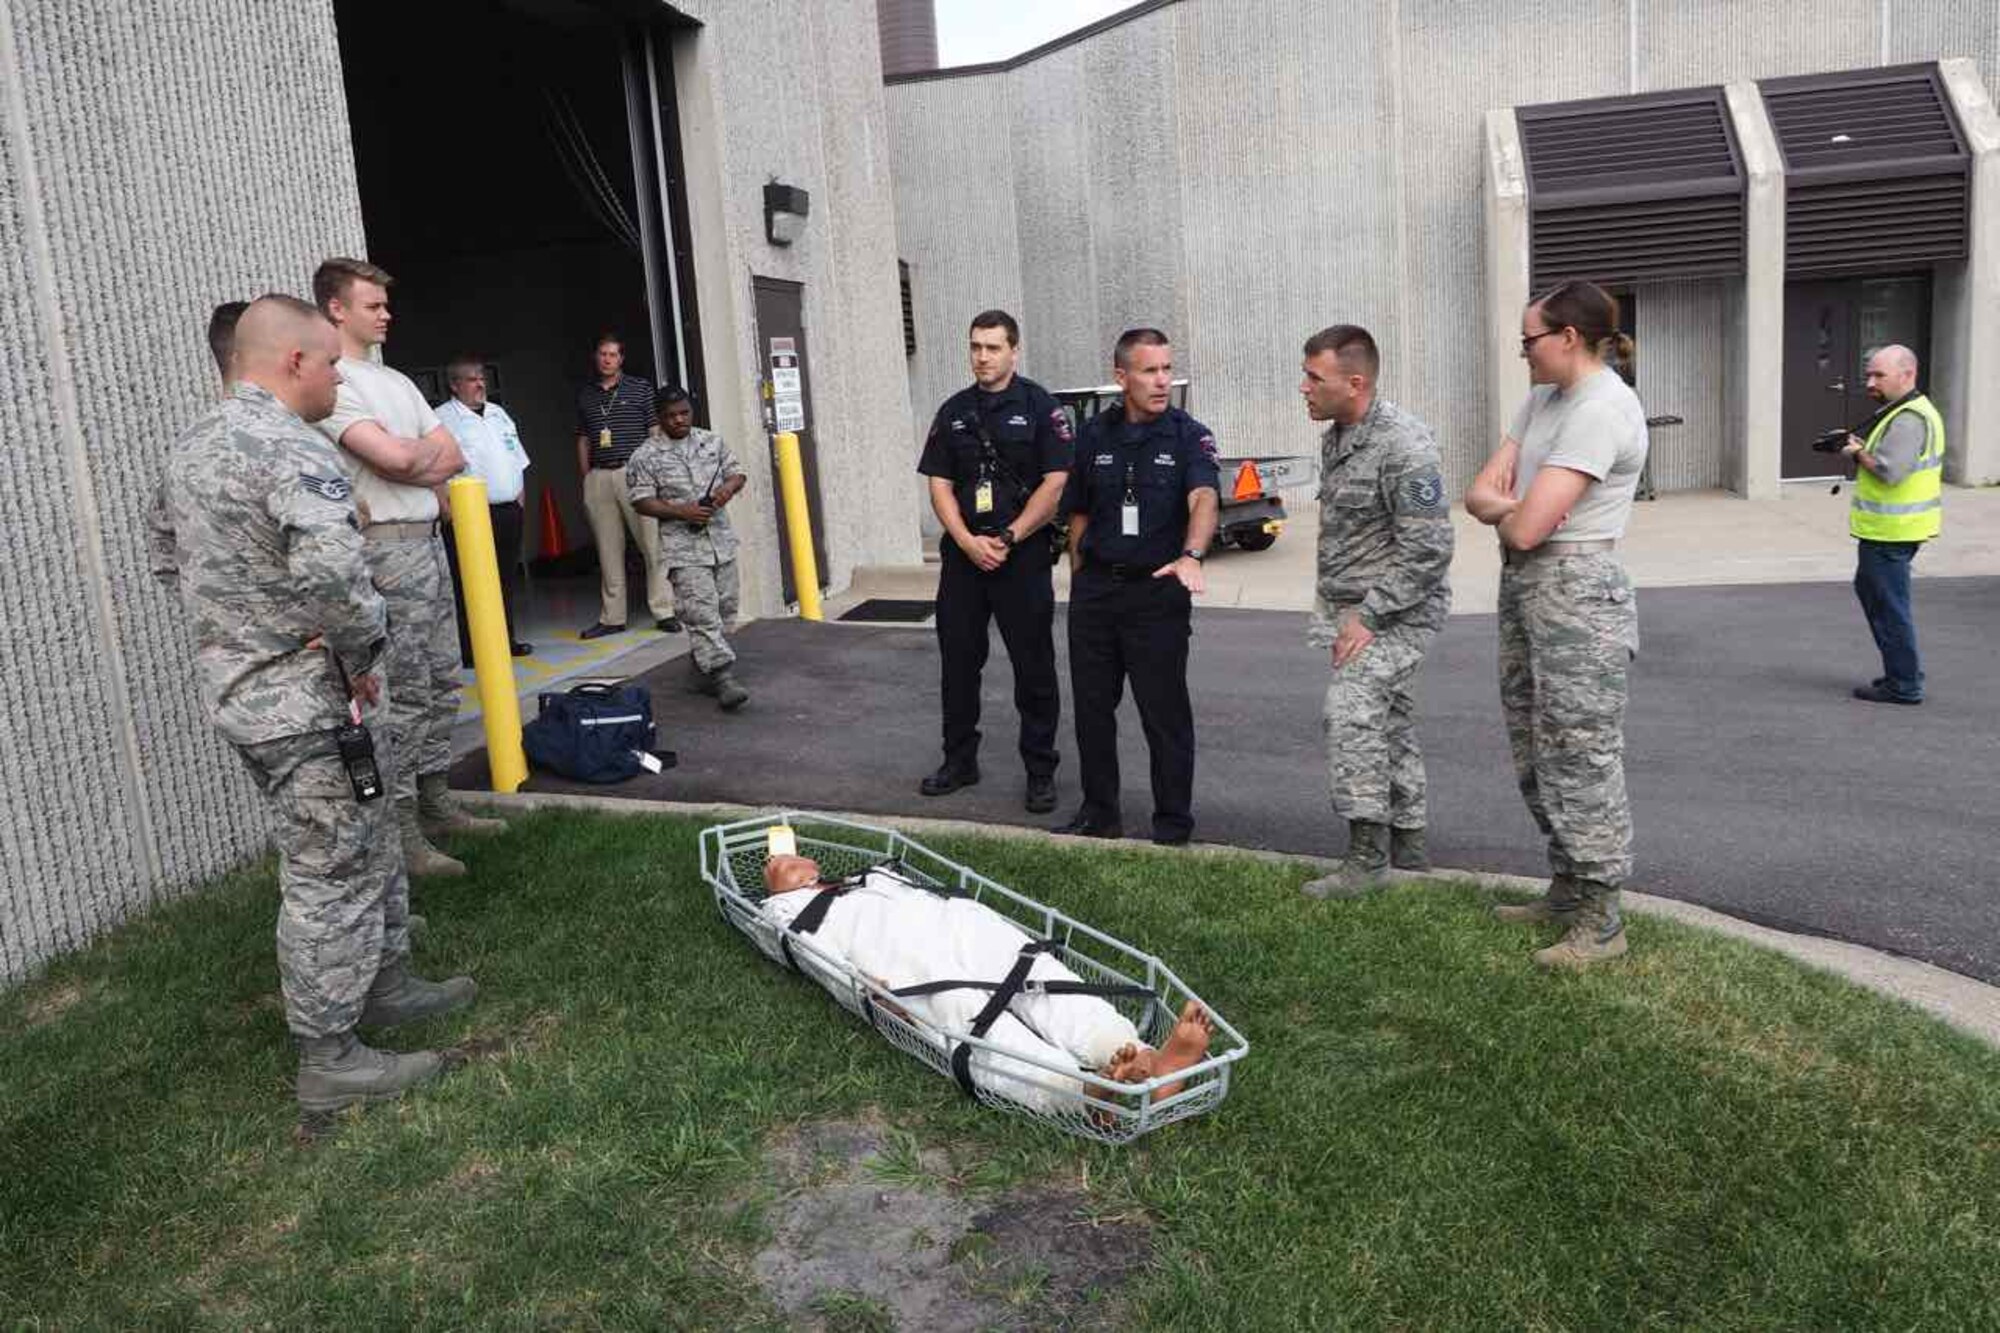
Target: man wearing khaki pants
{"x": 614, "y": 414}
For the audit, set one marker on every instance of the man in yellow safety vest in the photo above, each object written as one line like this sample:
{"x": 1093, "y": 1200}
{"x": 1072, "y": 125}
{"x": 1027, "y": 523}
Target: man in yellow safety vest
{"x": 1898, "y": 505}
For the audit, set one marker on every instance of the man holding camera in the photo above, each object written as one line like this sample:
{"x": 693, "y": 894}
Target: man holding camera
{"x": 684, "y": 477}
{"x": 1897, "y": 506}
{"x": 996, "y": 460}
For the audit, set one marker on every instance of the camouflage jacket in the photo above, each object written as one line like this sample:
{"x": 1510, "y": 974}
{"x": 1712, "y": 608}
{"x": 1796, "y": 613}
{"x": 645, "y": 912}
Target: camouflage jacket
{"x": 1385, "y": 536}
{"x": 269, "y": 555}
{"x": 679, "y": 472}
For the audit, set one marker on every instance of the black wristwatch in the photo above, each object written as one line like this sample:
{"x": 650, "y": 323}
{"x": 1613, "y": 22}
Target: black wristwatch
{"x": 1194, "y": 555}
{"x": 1006, "y": 536}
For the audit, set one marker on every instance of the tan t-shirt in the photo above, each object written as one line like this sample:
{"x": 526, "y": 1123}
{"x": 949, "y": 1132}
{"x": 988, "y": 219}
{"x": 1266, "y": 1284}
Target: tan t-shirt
{"x": 370, "y": 392}
{"x": 1597, "y": 428}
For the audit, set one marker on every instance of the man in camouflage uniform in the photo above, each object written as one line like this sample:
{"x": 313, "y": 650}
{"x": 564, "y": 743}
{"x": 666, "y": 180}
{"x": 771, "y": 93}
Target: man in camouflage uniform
{"x": 685, "y": 477}
{"x": 288, "y": 630}
{"x": 1385, "y": 544}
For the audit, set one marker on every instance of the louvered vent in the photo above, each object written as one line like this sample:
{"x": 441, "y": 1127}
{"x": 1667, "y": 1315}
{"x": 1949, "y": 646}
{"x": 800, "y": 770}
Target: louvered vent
{"x": 1629, "y": 189}
{"x": 909, "y": 310}
{"x": 1876, "y": 170}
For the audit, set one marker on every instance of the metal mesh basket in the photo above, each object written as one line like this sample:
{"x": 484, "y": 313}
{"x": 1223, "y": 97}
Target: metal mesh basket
{"x": 732, "y": 861}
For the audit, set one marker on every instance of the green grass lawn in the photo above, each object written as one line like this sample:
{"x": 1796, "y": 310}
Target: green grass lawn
{"x": 1427, "y": 1133}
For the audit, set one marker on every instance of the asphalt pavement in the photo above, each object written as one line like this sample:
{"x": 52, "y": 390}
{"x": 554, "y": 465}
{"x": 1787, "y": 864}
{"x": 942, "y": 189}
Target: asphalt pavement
{"x": 1759, "y": 787}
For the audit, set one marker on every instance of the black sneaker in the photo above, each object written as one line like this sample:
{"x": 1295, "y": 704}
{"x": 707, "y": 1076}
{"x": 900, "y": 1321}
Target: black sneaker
{"x": 669, "y": 625}
{"x": 1880, "y": 694}
{"x": 1041, "y": 794}
{"x": 600, "y": 629}
{"x": 948, "y": 780}
{"x": 524, "y": 650}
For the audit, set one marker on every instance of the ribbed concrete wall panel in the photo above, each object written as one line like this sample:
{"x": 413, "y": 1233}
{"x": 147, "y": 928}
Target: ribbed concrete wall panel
{"x": 1919, "y": 32}
{"x": 1060, "y": 285}
{"x": 1289, "y": 210}
{"x": 1689, "y": 42}
{"x": 1683, "y": 342}
{"x": 1458, "y": 59}
{"x": 66, "y": 849}
{"x": 1135, "y": 186}
{"x": 187, "y": 154}
{"x": 965, "y": 256}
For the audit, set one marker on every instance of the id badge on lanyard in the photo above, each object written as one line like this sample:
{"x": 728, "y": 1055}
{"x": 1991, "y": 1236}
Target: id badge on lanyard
{"x": 982, "y": 498}
{"x": 1128, "y": 512}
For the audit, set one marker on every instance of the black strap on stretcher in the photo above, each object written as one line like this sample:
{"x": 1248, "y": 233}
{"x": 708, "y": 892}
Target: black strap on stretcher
{"x": 813, "y": 915}
{"x": 1005, "y": 991}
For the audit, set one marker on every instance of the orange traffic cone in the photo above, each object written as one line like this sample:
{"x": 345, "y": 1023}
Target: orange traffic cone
{"x": 554, "y": 544}
{"x": 1249, "y": 485}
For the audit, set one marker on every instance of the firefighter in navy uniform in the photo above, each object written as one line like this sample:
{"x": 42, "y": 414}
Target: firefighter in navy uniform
{"x": 1142, "y": 504}
{"x": 997, "y": 458}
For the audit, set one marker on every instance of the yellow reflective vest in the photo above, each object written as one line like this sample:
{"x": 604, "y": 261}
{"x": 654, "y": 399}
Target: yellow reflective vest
{"x": 1913, "y": 509}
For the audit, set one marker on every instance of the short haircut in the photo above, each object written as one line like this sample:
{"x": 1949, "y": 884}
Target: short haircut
{"x": 997, "y": 319}
{"x": 611, "y": 336}
{"x": 670, "y": 395}
{"x": 1353, "y": 345}
{"x": 222, "y": 333}
{"x": 334, "y": 277}
{"x": 1121, "y": 355}
{"x": 463, "y": 367}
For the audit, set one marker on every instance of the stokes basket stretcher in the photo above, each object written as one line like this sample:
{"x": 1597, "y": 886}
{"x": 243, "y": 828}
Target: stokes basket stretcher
{"x": 1137, "y": 984}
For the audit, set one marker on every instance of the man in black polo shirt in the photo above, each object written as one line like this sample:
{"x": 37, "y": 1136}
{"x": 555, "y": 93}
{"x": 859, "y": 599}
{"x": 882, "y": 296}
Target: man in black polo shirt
{"x": 614, "y": 414}
{"x": 997, "y": 458}
{"x": 1142, "y": 506}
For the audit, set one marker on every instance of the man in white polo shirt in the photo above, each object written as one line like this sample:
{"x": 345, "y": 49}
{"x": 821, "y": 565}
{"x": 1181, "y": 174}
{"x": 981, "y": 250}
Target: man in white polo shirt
{"x": 396, "y": 454}
{"x": 493, "y": 453}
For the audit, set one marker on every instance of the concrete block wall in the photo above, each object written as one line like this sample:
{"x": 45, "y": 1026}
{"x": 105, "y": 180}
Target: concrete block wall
{"x": 157, "y": 157}
{"x": 1329, "y": 160}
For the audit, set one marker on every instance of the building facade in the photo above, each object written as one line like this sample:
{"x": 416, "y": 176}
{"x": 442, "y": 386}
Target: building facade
{"x": 162, "y": 156}
{"x": 1244, "y": 172}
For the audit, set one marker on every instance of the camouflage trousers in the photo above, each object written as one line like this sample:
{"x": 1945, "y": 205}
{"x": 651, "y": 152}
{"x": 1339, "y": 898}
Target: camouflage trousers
{"x": 1374, "y": 766}
{"x": 1569, "y": 629}
{"x": 706, "y": 598}
{"x": 344, "y": 898}
{"x": 420, "y": 669}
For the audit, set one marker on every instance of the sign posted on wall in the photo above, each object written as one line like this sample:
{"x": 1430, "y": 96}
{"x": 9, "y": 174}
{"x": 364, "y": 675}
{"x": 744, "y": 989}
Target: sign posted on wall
{"x": 788, "y": 403}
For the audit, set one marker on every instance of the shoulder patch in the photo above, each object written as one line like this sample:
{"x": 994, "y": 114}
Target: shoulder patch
{"x": 1207, "y": 446}
{"x": 326, "y": 488}
{"x": 1424, "y": 493}
{"x": 1059, "y": 422}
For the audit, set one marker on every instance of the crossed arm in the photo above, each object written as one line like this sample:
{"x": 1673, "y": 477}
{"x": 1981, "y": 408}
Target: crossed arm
{"x": 1526, "y": 523}
{"x": 428, "y": 461}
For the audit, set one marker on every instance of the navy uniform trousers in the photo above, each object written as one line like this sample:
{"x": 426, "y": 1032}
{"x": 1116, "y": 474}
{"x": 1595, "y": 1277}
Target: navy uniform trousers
{"x": 1136, "y": 628}
{"x": 1020, "y": 596}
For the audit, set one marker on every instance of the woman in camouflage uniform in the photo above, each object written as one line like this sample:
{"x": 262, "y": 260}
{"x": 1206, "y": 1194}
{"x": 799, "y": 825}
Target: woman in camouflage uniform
{"x": 1559, "y": 491}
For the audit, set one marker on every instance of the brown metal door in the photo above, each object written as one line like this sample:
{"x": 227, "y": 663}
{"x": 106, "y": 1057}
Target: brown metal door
{"x": 787, "y": 393}
{"x": 1822, "y": 381}
{"x": 1831, "y": 327}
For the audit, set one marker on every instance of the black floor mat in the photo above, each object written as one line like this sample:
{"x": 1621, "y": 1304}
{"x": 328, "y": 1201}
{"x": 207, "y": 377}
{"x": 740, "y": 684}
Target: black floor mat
{"x": 890, "y": 610}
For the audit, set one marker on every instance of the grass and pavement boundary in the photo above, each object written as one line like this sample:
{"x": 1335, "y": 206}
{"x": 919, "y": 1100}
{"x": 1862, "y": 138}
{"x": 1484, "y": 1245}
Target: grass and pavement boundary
{"x": 654, "y": 1126}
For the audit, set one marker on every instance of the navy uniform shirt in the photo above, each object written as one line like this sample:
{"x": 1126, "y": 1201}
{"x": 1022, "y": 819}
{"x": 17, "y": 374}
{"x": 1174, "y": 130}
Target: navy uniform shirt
{"x": 1030, "y": 436}
{"x": 1163, "y": 461}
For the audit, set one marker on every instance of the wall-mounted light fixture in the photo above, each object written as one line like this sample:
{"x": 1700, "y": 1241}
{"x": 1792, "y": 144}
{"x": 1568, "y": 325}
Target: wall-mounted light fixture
{"x": 785, "y": 209}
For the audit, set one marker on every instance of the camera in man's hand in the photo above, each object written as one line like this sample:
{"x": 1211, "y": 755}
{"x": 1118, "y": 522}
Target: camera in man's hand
{"x": 1831, "y": 442}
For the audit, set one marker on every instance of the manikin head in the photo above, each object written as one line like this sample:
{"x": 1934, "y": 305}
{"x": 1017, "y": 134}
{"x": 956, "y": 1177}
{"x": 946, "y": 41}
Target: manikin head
{"x": 786, "y": 874}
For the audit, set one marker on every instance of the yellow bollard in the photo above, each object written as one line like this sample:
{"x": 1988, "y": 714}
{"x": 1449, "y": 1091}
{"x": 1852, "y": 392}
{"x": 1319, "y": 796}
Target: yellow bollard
{"x": 798, "y": 524}
{"x": 486, "y": 614}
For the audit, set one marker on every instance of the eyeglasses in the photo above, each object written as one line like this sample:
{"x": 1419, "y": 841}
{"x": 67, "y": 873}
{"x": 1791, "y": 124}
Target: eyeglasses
{"x": 1531, "y": 339}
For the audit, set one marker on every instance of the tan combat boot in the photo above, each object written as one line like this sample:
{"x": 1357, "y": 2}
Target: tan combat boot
{"x": 419, "y": 857}
{"x": 338, "y": 1071}
{"x": 441, "y": 813}
{"x": 401, "y": 996}
{"x": 1362, "y": 870}
{"x": 1596, "y": 935}
{"x": 1557, "y": 904}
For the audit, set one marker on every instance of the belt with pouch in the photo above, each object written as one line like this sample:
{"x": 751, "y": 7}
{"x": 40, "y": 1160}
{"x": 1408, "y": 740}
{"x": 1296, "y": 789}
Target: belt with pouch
{"x": 400, "y": 532}
{"x": 1557, "y": 550}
